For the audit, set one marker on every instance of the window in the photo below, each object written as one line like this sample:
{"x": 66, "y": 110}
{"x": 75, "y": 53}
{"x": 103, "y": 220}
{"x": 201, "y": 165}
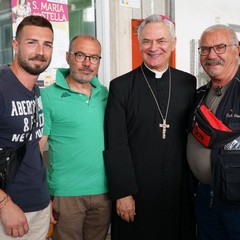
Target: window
{"x": 81, "y": 17}
{"x": 6, "y": 51}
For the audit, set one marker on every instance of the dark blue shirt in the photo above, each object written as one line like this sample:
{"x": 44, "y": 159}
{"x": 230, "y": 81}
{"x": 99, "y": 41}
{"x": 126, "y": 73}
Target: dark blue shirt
{"x": 18, "y": 108}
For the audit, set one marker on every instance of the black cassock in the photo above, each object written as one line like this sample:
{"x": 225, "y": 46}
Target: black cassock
{"x": 142, "y": 164}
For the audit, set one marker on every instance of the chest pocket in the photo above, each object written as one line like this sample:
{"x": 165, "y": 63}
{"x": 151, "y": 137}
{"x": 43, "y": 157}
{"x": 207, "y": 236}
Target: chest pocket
{"x": 234, "y": 145}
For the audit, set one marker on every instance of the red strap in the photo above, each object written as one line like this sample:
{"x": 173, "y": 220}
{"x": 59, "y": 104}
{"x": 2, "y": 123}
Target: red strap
{"x": 213, "y": 120}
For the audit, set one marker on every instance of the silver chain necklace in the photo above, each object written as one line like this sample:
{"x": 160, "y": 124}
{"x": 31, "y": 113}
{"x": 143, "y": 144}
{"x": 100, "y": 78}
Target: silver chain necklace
{"x": 164, "y": 124}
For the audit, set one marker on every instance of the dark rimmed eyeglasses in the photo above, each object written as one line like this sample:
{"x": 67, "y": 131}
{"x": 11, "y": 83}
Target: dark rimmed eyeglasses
{"x": 218, "y": 49}
{"x": 80, "y": 57}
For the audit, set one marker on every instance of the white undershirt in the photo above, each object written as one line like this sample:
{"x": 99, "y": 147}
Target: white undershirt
{"x": 158, "y": 74}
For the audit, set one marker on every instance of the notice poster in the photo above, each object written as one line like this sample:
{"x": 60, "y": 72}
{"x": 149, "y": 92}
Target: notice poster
{"x": 56, "y": 11}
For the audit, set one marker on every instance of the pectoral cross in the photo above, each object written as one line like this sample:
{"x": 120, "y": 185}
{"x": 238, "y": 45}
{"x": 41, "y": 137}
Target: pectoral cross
{"x": 164, "y": 127}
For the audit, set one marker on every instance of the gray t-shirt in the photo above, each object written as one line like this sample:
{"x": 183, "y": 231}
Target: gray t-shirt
{"x": 198, "y": 156}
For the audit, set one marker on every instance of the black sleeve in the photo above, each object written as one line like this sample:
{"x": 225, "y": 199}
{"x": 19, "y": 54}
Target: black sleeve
{"x": 117, "y": 156}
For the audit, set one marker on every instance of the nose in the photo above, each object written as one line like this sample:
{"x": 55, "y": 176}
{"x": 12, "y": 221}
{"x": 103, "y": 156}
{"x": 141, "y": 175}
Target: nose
{"x": 86, "y": 61}
{"x": 212, "y": 53}
{"x": 154, "y": 45}
{"x": 40, "y": 49}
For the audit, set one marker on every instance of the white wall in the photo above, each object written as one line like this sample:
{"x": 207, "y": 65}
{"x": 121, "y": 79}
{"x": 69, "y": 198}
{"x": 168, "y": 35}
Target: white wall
{"x": 192, "y": 17}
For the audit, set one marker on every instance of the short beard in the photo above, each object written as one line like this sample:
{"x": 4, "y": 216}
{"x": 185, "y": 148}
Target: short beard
{"x": 33, "y": 71}
{"x": 212, "y": 72}
{"x": 80, "y": 80}
{"x": 83, "y": 80}
{"x": 36, "y": 70}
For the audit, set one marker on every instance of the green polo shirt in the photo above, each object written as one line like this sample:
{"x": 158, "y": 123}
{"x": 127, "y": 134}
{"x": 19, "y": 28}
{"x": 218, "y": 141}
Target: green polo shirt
{"x": 74, "y": 126}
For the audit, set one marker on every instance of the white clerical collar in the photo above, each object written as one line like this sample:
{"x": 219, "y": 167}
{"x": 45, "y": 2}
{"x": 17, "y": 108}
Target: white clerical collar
{"x": 157, "y": 73}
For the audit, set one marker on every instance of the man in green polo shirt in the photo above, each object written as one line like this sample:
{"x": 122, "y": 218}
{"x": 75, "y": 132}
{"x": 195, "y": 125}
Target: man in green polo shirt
{"x": 74, "y": 109}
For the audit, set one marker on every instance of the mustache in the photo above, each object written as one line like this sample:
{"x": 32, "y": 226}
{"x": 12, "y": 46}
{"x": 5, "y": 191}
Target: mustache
{"x": 39, "y": 58}
{"x": 85, "y": 69}
{"x": 214, "y": 62}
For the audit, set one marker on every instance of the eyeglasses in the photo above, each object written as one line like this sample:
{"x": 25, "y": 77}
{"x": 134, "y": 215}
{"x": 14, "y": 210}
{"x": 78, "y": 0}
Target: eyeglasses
{"x": 218, "y": 49}
{"x": 80, "y": 57}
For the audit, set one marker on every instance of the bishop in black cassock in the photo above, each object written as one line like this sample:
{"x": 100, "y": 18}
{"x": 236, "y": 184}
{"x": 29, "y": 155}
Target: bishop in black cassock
{"x": 140, "y": 163}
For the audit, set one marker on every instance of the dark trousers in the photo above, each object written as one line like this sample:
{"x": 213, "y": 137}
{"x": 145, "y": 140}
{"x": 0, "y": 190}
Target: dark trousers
{"x": 215, "y": 221}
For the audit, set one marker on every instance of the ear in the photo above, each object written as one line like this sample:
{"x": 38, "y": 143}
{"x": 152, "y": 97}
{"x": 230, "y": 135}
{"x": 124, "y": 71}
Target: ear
{"x": 238, "y": 49}
{"x": 67, "y": 57}
{"x": 174, "y": 43}
{"x": 15, "y": 45}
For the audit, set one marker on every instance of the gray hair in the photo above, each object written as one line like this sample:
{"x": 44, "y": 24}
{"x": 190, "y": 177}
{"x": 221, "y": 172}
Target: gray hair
{"x": 226, "y": 28}
{"x": 157, "y": 18}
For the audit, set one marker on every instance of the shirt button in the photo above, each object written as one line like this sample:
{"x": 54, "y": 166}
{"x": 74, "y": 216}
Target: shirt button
{"x": 87, "y": 101}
